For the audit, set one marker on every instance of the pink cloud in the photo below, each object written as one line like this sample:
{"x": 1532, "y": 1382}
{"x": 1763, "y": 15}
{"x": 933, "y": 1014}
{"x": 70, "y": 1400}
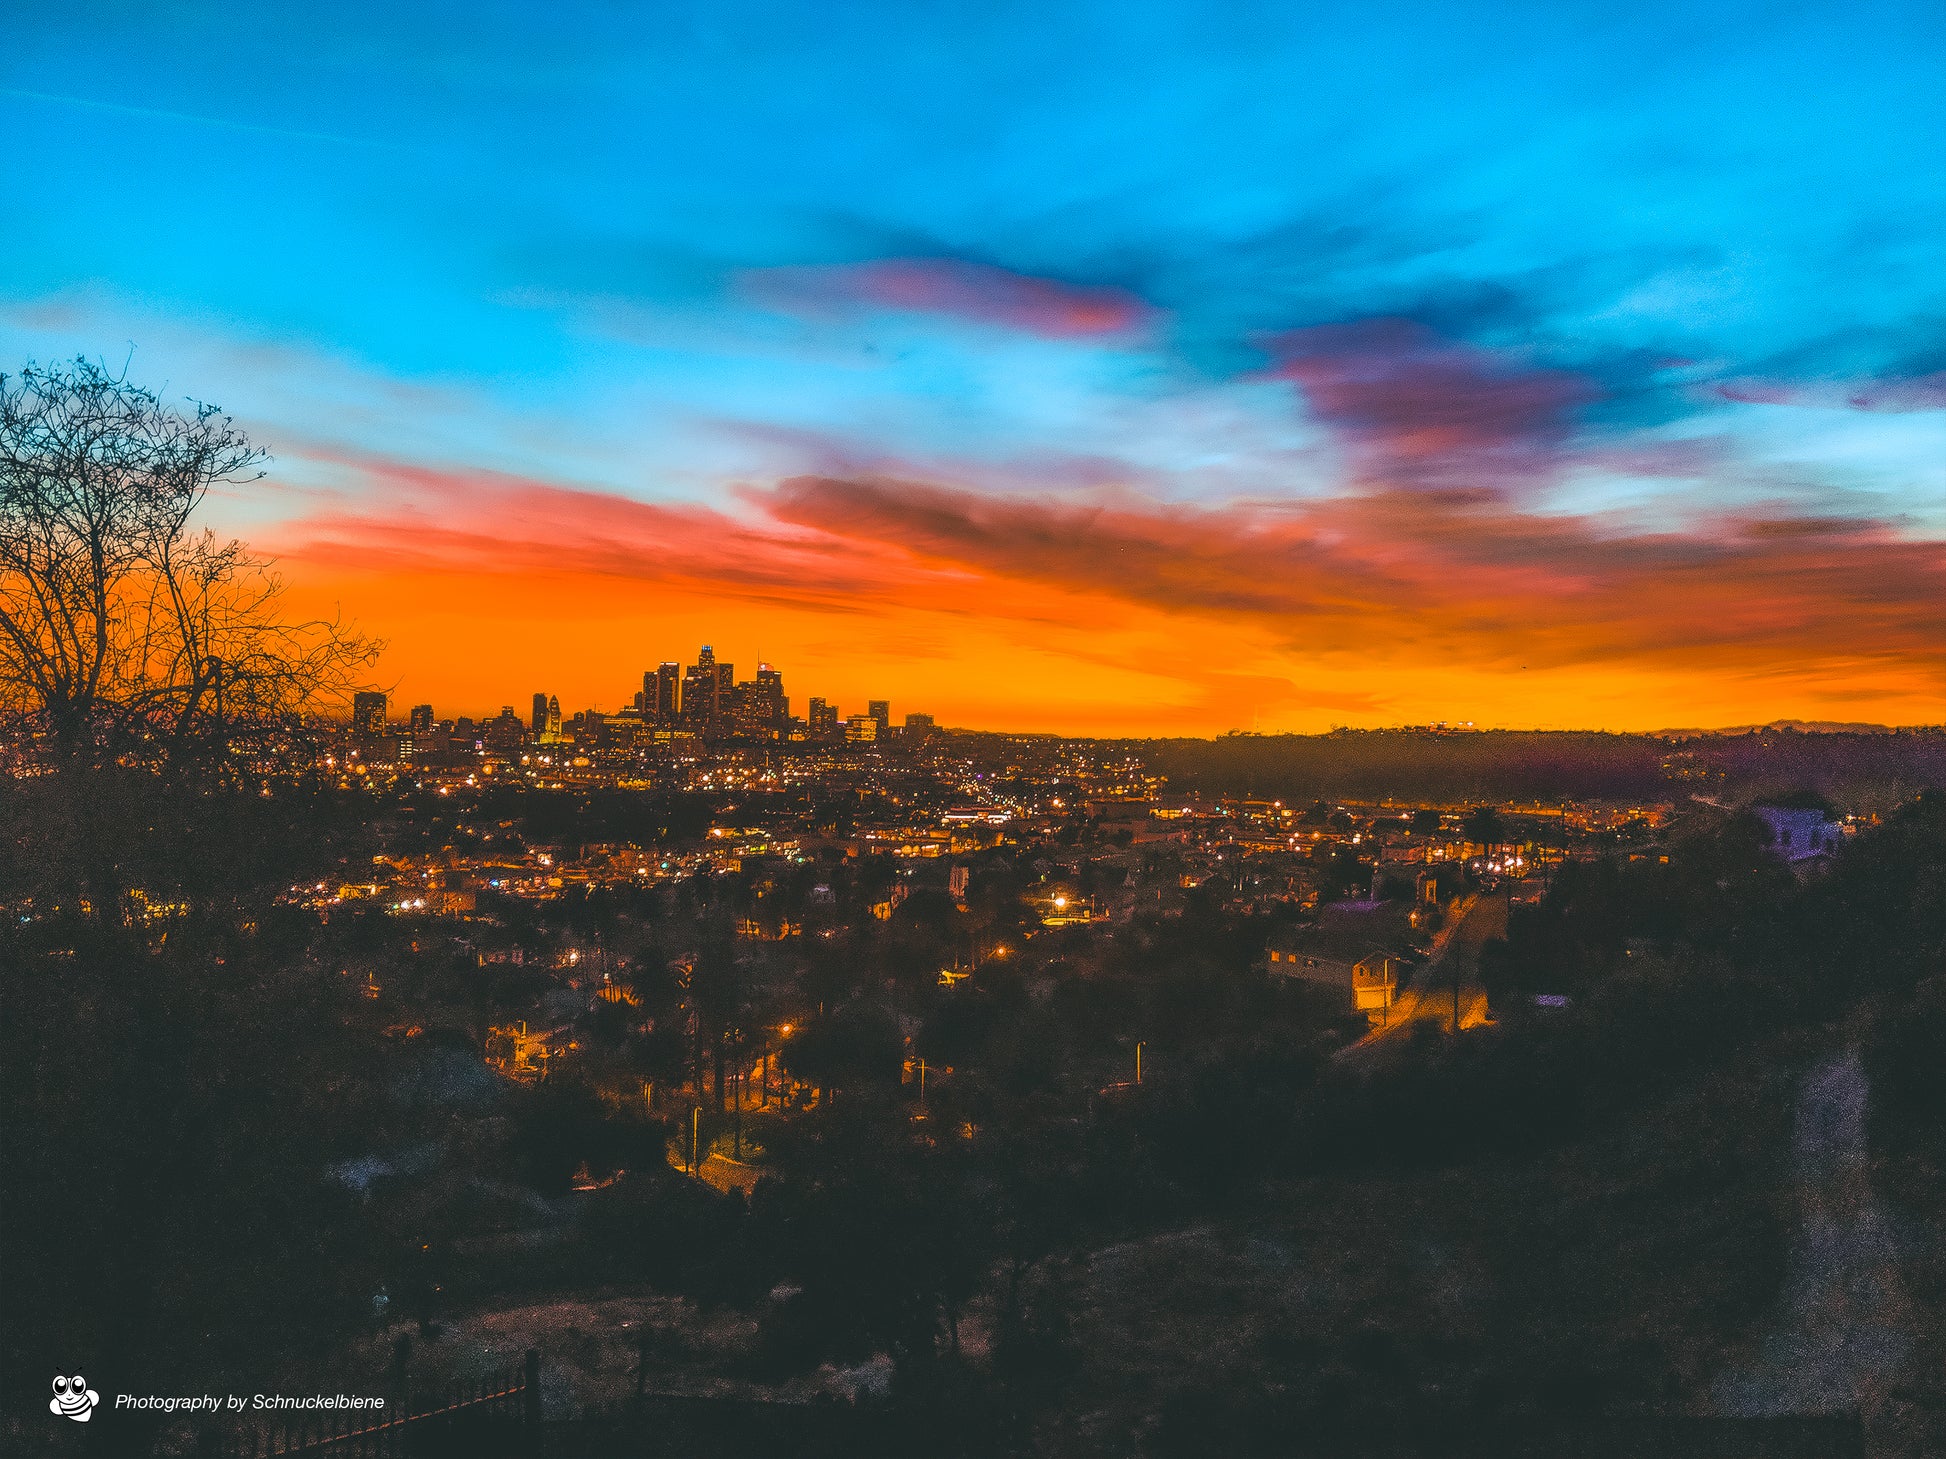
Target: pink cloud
{"x": 1918, "y": 392}
{"x": 966, "y": 290}
{"x": 1416, "y": 407}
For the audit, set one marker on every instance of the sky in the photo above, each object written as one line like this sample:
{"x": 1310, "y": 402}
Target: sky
{"x": 1132, "y": 369}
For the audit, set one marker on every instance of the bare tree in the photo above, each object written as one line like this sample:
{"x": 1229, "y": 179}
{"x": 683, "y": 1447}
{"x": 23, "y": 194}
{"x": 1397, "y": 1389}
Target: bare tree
{"x": 122, "y": 627}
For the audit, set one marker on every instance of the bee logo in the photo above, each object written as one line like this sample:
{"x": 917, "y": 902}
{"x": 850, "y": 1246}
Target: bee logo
{"x": 74, "y": 1399}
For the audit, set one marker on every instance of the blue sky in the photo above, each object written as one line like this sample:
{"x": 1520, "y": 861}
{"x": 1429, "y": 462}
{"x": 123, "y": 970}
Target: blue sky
{"x": 1660, "y": 275}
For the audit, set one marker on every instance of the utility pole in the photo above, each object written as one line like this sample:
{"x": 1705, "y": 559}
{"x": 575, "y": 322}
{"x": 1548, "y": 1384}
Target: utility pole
{"x": 695, "y": 1135}
{"x": 1138, "y": 1061}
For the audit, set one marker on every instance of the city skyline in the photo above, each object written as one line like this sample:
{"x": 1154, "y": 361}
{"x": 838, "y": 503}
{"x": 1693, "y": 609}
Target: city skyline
{"x": 1134, "y": 370}
{"x": 704, "y": 699}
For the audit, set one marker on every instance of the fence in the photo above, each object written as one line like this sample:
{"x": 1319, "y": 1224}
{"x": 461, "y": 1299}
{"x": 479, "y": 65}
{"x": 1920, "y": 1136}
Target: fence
{"x": 497, "y": 1418}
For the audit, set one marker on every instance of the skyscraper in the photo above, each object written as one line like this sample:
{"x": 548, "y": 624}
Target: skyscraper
{"x": 880, "y": 710}
{"x": 539, "y": 720}
{"x": 771, "y": 705}
{"x": 661, "y": 689}
{"x": 421, "y": 720}
{"x": 822, "y": 719}
{"x": 551, "y": 731}
{"x": 699, "y": 706}
{"x": 368, "y": 712}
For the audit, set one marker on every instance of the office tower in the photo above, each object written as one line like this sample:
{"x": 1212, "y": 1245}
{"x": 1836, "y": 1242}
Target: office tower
{"x": 772, "y": 707}
{"x": 861, "y": 729}
{"x": 421, "y": 720}
{"x": 880, "y": 710}
{"x": 368, "y": 712}
{"x": 822, "y": 720}
{"x": 507, "y": 732}
{"x": 742, "y": 717}
{"x": 918, "y": 725}
{"x": 539, "y": 719}
{"x": 702, "y": 699}
{"x": 551, "y": 733}
{"x": 668, "y": 692}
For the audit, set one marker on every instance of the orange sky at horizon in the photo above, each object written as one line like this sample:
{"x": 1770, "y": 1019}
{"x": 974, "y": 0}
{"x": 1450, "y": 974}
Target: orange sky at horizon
{"x": 1141, "y": 620}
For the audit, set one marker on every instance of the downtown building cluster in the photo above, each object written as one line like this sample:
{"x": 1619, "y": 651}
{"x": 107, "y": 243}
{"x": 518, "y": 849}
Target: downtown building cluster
{"x": 696, "y": 704}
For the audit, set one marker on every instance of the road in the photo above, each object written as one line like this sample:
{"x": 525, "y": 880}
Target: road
{"x": 1456, "y": 950}
{"x": 1844, "y": 1322}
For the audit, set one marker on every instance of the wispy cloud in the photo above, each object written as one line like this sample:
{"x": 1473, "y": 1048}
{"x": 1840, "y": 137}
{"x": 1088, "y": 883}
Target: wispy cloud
{"x": 228, "y": 124}
{"x": 961, "y": 289}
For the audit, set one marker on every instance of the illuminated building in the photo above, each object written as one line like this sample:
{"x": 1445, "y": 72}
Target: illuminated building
{"x": 539, "y": 720}
{"x": 881, "y": 711}
{"x": 707, "y": 687}
{"x": 918, "y": 725}
{"x": 551, "y": 730}
{"x": 421, "y": 720}
{"x": 504, "y": 733}
{"x": 661, "y": 691}
{"x": 861, "y": 729}
{"x": 368, "y": 712}
{"x": 823, "y": 720}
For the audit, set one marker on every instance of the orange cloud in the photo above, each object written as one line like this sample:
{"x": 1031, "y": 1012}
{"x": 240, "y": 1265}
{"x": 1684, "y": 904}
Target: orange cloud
{"x": 1394, "y": 605}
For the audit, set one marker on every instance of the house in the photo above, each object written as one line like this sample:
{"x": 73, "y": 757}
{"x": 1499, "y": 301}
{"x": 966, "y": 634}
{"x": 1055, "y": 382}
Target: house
{"x": 1366, "y": 984}
{"x": 1799, "y": 833}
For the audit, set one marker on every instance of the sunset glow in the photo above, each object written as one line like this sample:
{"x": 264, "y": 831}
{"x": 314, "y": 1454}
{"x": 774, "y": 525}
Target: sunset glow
{"x": 1124, "y": 373}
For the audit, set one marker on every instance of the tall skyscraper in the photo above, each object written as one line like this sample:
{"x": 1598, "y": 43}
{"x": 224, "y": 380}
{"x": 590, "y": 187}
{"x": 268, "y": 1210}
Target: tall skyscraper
{"x": 771, "y": 705}
{"x": 551, "y": 730}
{"x": 421, "y": 720}
{"x": 822, "y": 720}
{"x": 880, "y": 710}
{"x": 661, "y": 693}
{"x": 368, "y": 712}
{"x": 668, "y": 678}
{"x": 538, "y": 721}
{"x": 699, "y": 704}
{"x": 708, "y": 690}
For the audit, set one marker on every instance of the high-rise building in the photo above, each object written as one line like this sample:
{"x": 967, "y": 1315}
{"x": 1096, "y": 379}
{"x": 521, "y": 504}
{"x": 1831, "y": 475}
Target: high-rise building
{"x": 861, "y": 729}
{"x": 701, "y": 692}
{"x": 368, "y": 712}
{"x": 421, "y": 720}
{"x": 822, "y": 720}
{"x": 661, "y": 688}
{"x": 918, "y": 725}
{"x": 504, "y": 733}
{"x": 772, "y": 708}
{"x": 880, "y": 710}
{"x": 538, "y": 721}
{"x": 551, "y": 730}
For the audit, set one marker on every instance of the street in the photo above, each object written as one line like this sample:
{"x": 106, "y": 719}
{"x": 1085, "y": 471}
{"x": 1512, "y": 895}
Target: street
{"x": 1456, "y": 951}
